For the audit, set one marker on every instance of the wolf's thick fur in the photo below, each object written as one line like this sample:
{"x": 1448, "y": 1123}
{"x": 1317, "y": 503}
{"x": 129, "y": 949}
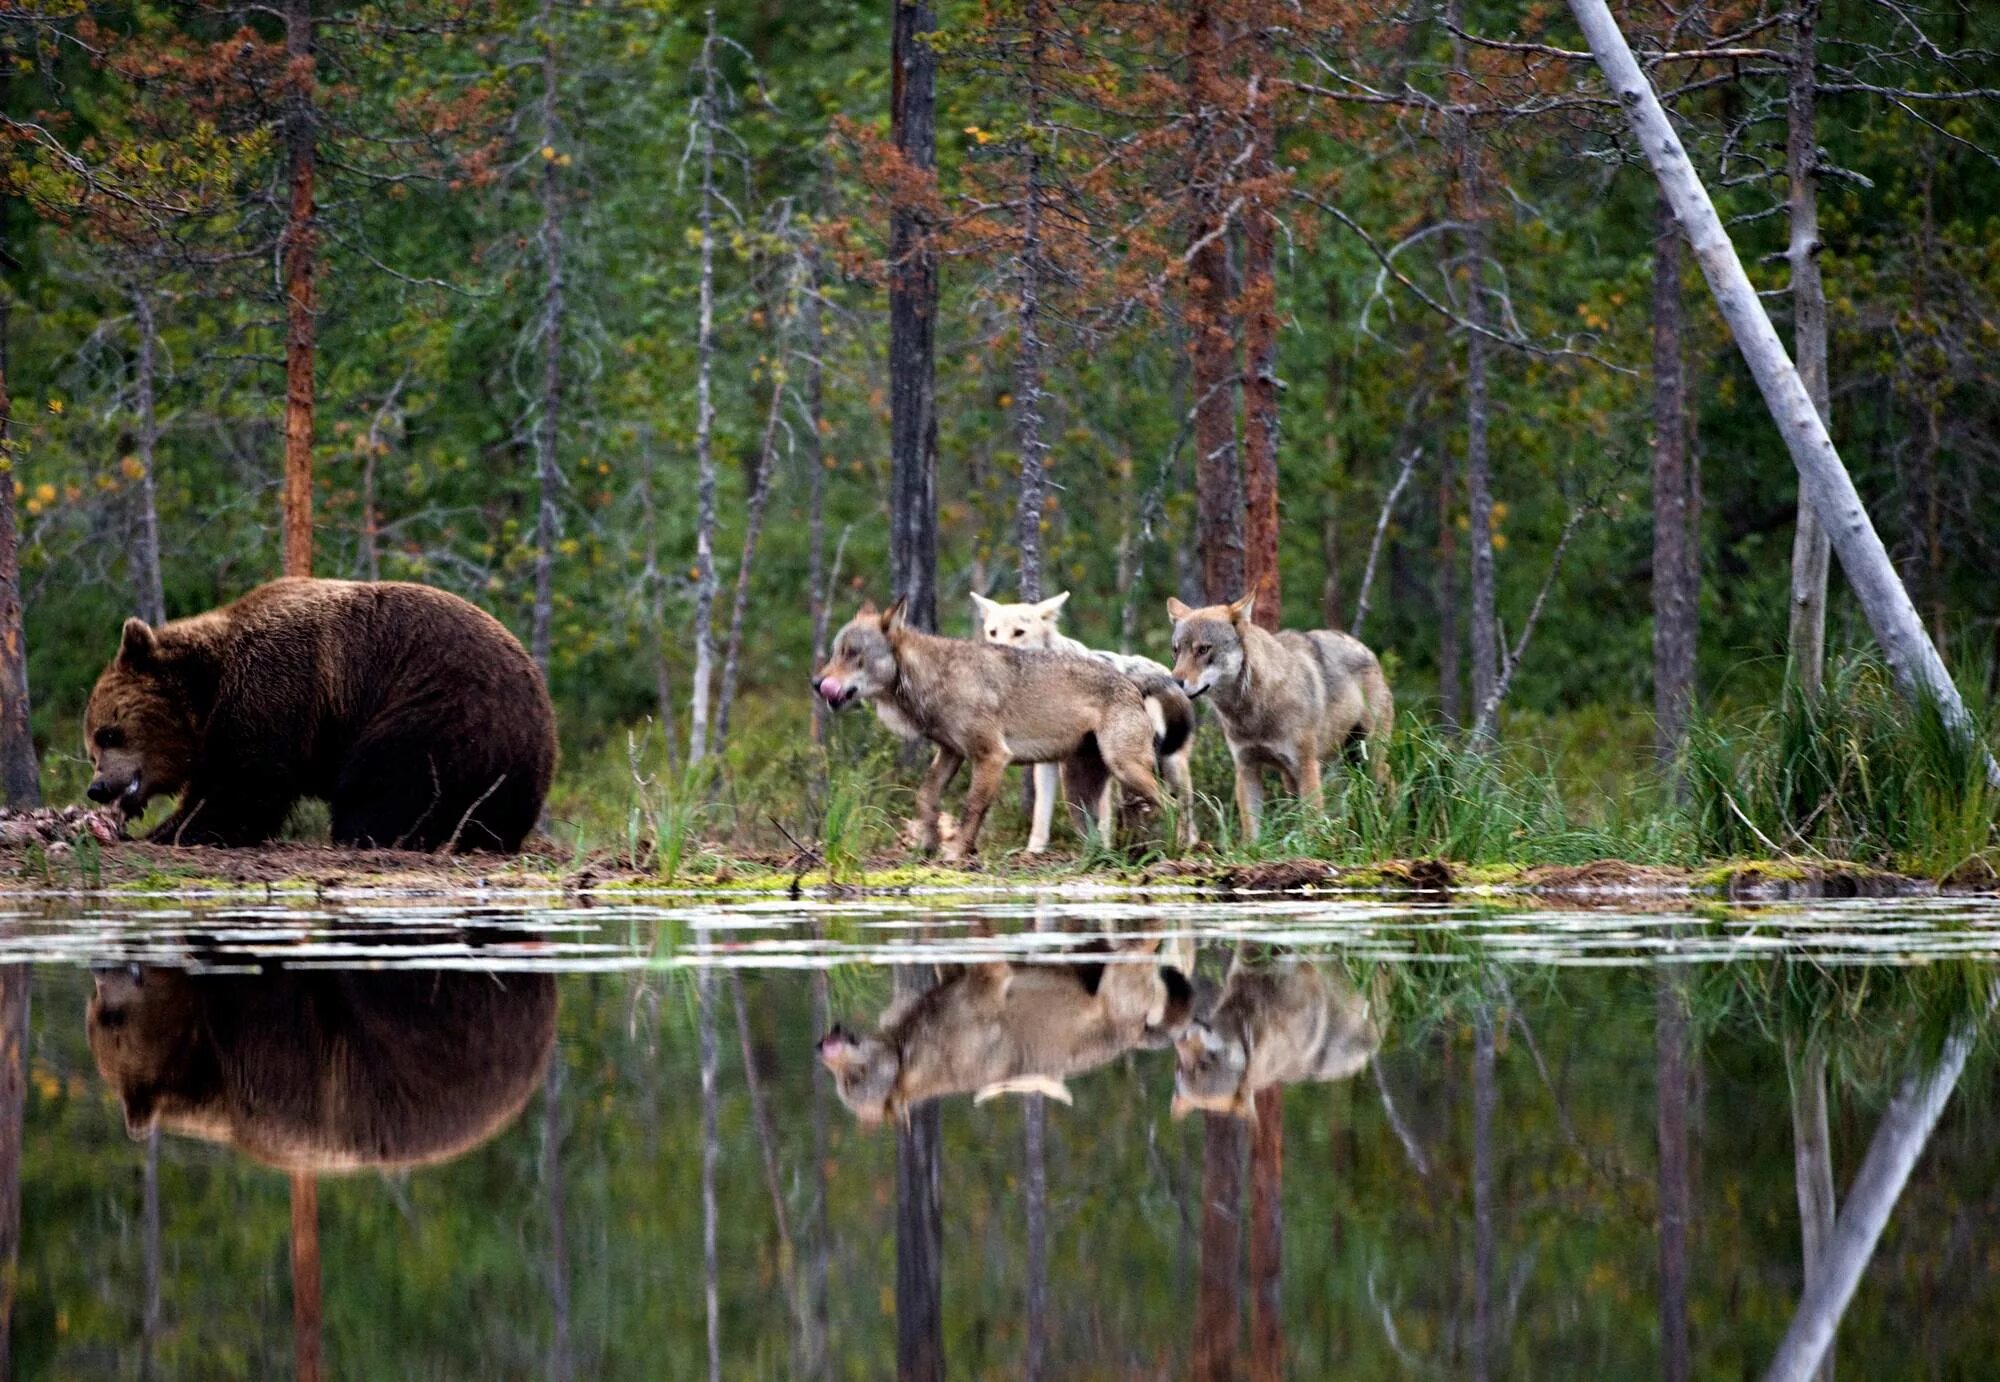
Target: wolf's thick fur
{"x": 1036, "y": 626}
{"x": 1286, "y": 700}
{"x": 1004, "y": 1028}
{"x": 994, "y": 706}
{"x": 1278, "y": 1026}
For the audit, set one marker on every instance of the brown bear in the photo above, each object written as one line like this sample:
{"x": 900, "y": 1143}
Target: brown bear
{"x": 416, "y": 716}
{"x": 324, "y": 1070}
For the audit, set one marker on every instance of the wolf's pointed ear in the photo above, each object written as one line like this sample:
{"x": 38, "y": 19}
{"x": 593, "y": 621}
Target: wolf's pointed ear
{"x": 1051, "y": 607}
{"x": 892, "y": 617}
{"x": 981, "y": 603}
{"x": 138, "y": 645}
{"x": 1177, "y": 611}
{"x": 1240, "y": 610}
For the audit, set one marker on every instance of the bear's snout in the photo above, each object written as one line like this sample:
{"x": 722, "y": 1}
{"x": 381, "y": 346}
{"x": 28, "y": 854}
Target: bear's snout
{"x": 101, "y": 792}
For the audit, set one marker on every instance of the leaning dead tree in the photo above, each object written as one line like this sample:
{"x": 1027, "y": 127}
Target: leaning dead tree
{"x": 1891, "y": 614}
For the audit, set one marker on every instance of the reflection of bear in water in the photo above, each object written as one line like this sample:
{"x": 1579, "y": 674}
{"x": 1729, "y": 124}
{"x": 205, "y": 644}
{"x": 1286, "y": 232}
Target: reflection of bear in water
{"x": 327, "y": 1070}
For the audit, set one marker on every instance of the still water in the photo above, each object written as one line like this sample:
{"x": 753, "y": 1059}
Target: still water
{"x": 450, "y": 1137}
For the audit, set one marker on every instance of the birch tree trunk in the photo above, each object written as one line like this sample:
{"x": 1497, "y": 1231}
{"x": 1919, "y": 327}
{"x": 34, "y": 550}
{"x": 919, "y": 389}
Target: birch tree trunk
{"x": 704, "y": 421}
{"x": 1211, "y": 346}
{"x": 1029, "y": 271}
{"x": 1810, "y": 543}
{"x": 1812, "y": 1160}
{"x": 1478, "y": 474}
{"x": 1451, "y": 679}
{"x": 753, "y": 530}
{"x": 1485, "y": 1097}
{"x": 816, "y": 592}
{"x": 1899, "y": 1140}
{"x": 1260, "y": 329}
{"x": 149, "y": 599}
{"x": 548, "y": 474}
{"x": 711, "y": 1149}
{"x": 1673, "y": 603}
{"x": 1905, "y": 646}
{"x": 912, "y": 323}
{"x": 300, "y": 251}
{"x": 20, "y": 774}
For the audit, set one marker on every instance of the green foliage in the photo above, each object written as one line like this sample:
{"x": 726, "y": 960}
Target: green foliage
{"x": 1853, "y": 773}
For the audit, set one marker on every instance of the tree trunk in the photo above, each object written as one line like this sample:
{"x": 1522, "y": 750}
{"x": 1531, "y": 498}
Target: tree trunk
{"x": 1212, "y": 347}
{"x": 149, "y": 599}
{"x": 1478, "y": 474}
{"x": 653, "y": 594}
{"x": 20, "y": 775}
{"x": 1030, "y": 272}
{"x": 753, "y": 530}
{"x": 1812, "y": 1159}
{"x": 1673, "y": 604}
{"x": 1899, "y": 1140}
{"x": 1670, "y": 1098}
{"x": 1035, "y": 1183}
{"x": 308, "y": 1318}
{"x": 816, "y": 591}
{"x": 711, "y": 1149}
{"x": 1260, "y": 329}
{"x": 1451, "y": 679}
{"x": 912, "y": 323}
{"x": 548, "y": 472}
{"x": 919, "y": 1224}
{"x": 1267, "y": 1236}
{"x": 704, "y": 425}
{"x": 1217, "y": 1310}
{"x": 149, "y": 1227}
{"x": 1485, "y": 1095}
{"x": 813, "y": 1361}
{"x": 1810, "y": 544}
{"x": 14, "y": 988}
{"x": 1905, "y": 645}
{"x": 301, "y": 251}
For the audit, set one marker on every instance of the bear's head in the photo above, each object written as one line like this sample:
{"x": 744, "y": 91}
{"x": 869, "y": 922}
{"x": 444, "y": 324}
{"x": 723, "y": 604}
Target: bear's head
{"x": 143, "y": 1032}
{"x": 140, "y": 728}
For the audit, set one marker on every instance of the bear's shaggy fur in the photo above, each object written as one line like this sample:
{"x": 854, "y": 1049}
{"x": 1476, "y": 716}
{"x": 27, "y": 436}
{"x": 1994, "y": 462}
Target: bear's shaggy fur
{"x": 324, "y": 1070}
{"x": 416, "y": 716}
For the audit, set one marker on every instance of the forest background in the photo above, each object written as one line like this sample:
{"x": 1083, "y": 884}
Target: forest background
{"x": 668, "y": 334}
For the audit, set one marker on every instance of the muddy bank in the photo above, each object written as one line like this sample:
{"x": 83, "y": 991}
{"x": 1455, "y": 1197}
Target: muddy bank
{"x": 73, "y": 859}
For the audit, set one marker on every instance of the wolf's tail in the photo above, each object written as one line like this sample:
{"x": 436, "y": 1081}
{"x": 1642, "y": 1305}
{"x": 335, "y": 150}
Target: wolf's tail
{"x": 1171, "y": 712}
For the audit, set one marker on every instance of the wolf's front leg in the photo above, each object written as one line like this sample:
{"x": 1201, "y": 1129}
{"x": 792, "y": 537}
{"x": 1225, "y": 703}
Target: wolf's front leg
{"x": 944, "y": 768}
{"x": 1048, "y": 786}
{"x": 1180, "y": 782}
{"x": 1249, "y": 796}
{"x": 986, "y": 774}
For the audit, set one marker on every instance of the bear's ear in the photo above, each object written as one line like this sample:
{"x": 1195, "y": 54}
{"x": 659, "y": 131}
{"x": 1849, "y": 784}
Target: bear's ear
{"x": 1177, "y": 611}
{"x": 138, "y": 645}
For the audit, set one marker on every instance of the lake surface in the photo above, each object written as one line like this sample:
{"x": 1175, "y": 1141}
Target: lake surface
{"x": 472, "y": 1137}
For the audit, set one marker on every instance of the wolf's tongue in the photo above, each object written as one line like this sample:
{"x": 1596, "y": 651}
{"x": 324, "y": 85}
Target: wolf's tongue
{"x": 829, "y": 689}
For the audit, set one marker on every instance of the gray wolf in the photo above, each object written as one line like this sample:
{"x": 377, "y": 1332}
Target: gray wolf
{"x": 992, "y": 706}
{"x": 417, "y": 717}
{"x": 1035, "y": 625}
{"x": 1277, "y": 1026}
{"x": 1286, "y": 700}
{"x": 1006, "y": 1028}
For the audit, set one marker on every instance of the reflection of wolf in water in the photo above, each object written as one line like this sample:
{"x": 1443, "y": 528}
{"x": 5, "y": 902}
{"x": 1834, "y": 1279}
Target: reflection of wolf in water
{"x": 1282, "y": 1025}
{"x": 1005, "y": 1028}
{"x": 325, "y": 1070}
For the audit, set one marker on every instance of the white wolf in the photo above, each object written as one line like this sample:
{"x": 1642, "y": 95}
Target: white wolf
{"x": 1035, "y": 626}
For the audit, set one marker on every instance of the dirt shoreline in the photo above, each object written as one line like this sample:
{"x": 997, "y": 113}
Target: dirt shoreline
{"x": 42, "y": 868}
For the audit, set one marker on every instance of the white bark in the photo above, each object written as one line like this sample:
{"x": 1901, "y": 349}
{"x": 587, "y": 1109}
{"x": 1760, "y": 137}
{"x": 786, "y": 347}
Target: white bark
{"x": 547, "y": 473}
{"x": 1899, "y": 1139}
{"x": 149, "y": 600}
{"x": 1911, "y": 655}
{"x": 704, "y": 424}
{"x": 1807, "y": 639}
